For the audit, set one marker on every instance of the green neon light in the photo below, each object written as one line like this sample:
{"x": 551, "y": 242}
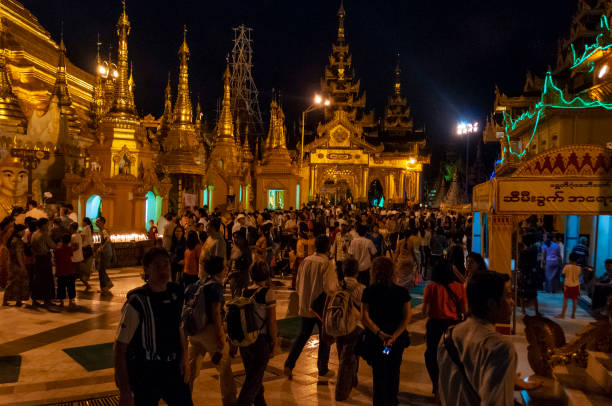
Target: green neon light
{"x": 591, "y": 49}
{"x": 549, "y": 87}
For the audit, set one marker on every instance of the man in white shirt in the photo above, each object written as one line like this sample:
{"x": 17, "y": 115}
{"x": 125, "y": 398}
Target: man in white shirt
{"x": 487, "y": 358}
{"x": 34, "y": 211}
{"x": 239, "y": 223}
{"x": 316, "y": 275}
{"x": 362, "y": 249}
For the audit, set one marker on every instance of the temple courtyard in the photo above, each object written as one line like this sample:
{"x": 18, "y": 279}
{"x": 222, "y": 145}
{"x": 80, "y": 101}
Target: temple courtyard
{"x": 60, "y": 357}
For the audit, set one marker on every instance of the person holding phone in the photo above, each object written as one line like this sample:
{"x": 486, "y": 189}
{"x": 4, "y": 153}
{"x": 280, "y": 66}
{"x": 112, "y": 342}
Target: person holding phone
{"x": 386, "y": 336}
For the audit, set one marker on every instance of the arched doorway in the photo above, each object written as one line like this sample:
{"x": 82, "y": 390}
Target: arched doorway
{"x": 335, "y": 192}
{"x": 376, "y": 197}
{"x": 93, "y": 208}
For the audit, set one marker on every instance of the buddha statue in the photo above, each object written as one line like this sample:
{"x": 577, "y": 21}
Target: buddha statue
{"x": 13, "y": 185}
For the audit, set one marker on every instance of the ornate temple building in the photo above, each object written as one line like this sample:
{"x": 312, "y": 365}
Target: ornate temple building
{"x": 351, "y": 159}
{"x": 69, "y": 136}
{"x": 555, "y": 148}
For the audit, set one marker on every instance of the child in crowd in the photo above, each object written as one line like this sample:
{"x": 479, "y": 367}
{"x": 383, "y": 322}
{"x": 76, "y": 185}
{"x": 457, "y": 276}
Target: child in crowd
{"x": 65, "y": 271}
{"x": 571, "y": 285}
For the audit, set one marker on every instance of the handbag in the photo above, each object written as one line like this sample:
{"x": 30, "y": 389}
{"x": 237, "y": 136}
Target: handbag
{"x": 457, "y": 303}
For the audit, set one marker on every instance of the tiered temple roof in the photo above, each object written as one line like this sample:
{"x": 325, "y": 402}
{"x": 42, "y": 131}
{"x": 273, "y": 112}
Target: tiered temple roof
{"x": 339, "y": 84}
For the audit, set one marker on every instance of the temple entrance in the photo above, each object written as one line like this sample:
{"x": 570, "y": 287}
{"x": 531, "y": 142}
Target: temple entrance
{"x": 376, "y": 197}
{"x": 335, "y": 192}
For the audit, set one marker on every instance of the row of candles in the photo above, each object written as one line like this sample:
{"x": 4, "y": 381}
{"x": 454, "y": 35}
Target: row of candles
{"x": 133, "y": 237}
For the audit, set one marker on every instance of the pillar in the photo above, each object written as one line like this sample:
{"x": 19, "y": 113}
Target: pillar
{"x": 366, "y": 175}
{"x": 476, "y": 233}
{"x": 500, "y": 246}
{"x": 603, "y": 240}
{"x": 572, "y": 232}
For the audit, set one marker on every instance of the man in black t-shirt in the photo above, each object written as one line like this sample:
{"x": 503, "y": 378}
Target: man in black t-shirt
{"x": 150, "y": 348}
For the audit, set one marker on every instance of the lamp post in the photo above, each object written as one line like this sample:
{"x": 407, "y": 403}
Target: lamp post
{"x": 30, "y": 158}
{"x": 318, "y": 103}
{"x": 467, "y": 129}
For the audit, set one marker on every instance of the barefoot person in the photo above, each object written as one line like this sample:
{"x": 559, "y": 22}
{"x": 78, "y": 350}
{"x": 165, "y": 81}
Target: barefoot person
{"x": 571, "y": 285}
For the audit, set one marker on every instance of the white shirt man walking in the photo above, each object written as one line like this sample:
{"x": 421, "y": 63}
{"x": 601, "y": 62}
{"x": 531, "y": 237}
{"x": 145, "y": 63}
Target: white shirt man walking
{"x": 362, "y": 249}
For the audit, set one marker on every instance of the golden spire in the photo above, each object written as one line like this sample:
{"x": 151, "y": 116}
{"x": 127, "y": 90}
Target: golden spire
{"x": 122, "y": 103}
{"x": 248, "y": 155}
{"x": 198, "y": 116}
{"x": 97, "y": 103}
{"x": 60, "y": 89}
{"x": 341, "y": 15}
{"x": 11, "y": 115}
{"x": 397, "y": 86}
{"x": 131, "y": 85}
{"x": 276, "y": 134}
{"x": 225, "y": 126}
{"x": 183, "y": 111}
{"x": 167, "y": 116}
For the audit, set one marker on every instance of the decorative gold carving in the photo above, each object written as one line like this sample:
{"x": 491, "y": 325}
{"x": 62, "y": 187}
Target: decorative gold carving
{"x": 547, "y": 347}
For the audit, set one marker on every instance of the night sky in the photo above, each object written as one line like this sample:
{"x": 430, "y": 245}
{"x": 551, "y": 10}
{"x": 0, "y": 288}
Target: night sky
{"x": 452, "y": 53}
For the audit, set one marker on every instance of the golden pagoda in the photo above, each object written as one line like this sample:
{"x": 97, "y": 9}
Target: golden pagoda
{"x": 182, "y": 155}
{"x": 348, "y": 157}
{"x": 227, "y": 170}
{"x": 276, "y": 175}
{"x": 120, "y": 180}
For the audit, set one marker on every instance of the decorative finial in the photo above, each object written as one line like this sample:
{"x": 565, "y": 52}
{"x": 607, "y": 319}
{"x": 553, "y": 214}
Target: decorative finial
{"x": 61, "y": 31}
{"x": 185, "y": 32}
{"x": 123, "y": 3}
{"x": 341, "y": 15}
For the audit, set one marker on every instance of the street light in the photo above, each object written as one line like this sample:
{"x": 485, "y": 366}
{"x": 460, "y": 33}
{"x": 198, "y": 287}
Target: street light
{"x": 318, "y": 103}
{"x": 467, "y": 129}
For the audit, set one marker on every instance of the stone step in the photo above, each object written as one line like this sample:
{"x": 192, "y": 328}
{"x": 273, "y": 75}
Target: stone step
{"x": 576, "y": 397}
{"x": 573, "y": 377}
{"x": 599, "y": 367}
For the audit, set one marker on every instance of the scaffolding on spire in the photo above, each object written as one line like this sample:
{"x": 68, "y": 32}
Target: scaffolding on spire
{"x": 245, "y": 105}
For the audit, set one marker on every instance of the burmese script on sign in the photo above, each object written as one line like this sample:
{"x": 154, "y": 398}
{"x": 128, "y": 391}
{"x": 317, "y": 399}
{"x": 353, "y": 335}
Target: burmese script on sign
{"x": 538, "y": 196}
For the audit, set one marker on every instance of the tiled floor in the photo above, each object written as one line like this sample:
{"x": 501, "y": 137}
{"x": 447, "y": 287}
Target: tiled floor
{"x": 48, "y": 374}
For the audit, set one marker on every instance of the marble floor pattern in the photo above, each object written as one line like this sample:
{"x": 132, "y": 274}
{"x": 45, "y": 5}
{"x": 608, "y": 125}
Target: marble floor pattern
{"x": 47, "y": 373}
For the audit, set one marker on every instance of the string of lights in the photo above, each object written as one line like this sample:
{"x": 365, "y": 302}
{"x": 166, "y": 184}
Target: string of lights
{"x": 577, "y": 102}
{"x": 589, "y": 50}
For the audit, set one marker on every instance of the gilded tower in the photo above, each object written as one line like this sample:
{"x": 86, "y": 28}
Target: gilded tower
{"x": 120, "y": 171}
{"x": 182, "y": 155}
{"x": 277, "y": 179}
{"x": 225, "y": 167}
{"x": 347, "y": 161}
{"x": 339, "y": 85}
{"x": 119, "y": 136}
{"x": 397, "y": 119}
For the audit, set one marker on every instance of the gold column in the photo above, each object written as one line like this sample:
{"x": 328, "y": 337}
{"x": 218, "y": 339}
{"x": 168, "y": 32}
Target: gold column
{"x": 366, "y": 173}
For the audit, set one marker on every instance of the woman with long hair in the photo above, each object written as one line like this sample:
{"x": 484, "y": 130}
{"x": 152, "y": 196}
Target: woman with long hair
{"x": 177, "y": 252}
{"x": 444, "y": 304}
{"x": 405, "y": 261}
{"x": 386, "y": 336}
{"x": 241, "y": 260}
{"x": 456, "y": 259}
{"x": 18, "y": 286}
{"x": 191, "y": 261}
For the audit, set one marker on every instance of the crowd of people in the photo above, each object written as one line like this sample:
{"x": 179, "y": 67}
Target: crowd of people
{"x": 351, "y": 269}
{"x": 43, "y": 254}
